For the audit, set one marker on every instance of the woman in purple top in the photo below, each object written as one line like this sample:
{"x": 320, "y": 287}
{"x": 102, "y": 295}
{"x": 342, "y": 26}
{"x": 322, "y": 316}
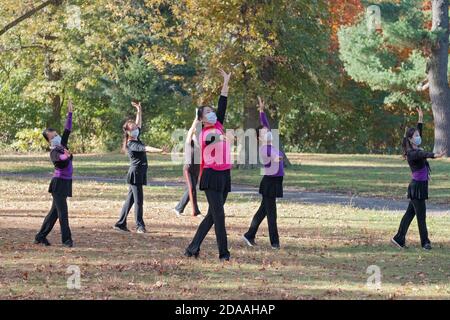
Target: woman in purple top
{"x": 61, "y": 183}
{"x": 271, "y": 186}
{"x": 418, "y": 187}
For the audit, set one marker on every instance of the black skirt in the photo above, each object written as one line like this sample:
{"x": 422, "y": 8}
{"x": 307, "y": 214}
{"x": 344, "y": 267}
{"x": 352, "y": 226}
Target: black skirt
{"x": 137, "y": 175}
{"x": 62, "y": 187}
{"x": 216, "y": 180}
{"x": 418, "y": 190}
{"x": 271, "y": 187}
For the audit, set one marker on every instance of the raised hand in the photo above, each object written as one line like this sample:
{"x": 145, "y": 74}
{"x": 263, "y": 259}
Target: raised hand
{"x": 137, "y": 105}
{"x": 261, "y": 104}
{"x": 226, "y": 76}
{"x": 420, "y": 113}
{"x": 70, "y": 106}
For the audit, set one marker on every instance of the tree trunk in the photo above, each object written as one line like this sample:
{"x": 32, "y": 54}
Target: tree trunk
{"x": 53, "y": 75}
{"x": 438, "y": 78}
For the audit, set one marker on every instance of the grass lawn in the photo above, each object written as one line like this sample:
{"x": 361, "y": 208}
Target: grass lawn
{"x": 369, "y": 175}
{"x": 325, "y": 253}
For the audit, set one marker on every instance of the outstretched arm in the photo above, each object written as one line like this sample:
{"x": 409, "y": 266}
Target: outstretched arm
{"x": 222, "y": 106}
{"x": 68, "y": 125}
{"x": 138, "y": 107}
{"x": 262, "y": 115}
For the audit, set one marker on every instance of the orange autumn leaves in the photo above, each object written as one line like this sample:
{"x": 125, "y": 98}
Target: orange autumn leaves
{"x": 342, "y": 12}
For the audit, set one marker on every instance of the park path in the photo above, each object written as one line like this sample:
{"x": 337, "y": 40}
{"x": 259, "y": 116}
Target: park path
{"x": 290, "y": 194}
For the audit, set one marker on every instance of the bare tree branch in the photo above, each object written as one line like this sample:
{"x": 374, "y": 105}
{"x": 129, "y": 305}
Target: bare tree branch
{"x": 28, "y": 14}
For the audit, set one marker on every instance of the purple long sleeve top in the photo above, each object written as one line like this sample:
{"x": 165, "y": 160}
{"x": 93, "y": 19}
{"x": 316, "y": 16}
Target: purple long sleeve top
{"x": 269, "y": 153}
{"x": 63, "y": 163}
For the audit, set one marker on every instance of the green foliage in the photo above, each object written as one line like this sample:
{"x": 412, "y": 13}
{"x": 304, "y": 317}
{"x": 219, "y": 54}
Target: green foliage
{"x": 395, "y": 59}
{"x": 29, "y": 140}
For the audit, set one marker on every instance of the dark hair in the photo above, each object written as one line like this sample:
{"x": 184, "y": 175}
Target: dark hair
{"x": 126, "y": 137}
{"x": 46, "y": 132}
{"x": 200, "y": 111}
{"x": 406, "y": 144}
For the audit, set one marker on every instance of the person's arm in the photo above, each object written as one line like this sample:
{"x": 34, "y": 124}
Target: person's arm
{"x": 420, "y": 154}
{"x": 222, "y": 105}
{"x": 152, "y": 150}
{"x": 262, "y": 115}
{"x": 138, "y": 107}
{"x": 420, "y": 122}
{"x": 68, "y": 125}
{"x": 191, "y": 131}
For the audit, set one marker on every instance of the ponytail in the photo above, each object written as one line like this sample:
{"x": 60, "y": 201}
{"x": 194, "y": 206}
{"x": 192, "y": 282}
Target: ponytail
{"x": 406, "y": 144}
{"x": 126, "y": 136}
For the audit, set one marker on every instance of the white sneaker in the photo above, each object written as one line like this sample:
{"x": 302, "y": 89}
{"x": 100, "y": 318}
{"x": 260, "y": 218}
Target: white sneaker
{"x": 178, "y": 213}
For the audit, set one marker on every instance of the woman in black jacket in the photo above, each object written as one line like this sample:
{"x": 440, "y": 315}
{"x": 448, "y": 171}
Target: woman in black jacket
{"x": 418, "y": 187}
{"x": 137, "y": 173}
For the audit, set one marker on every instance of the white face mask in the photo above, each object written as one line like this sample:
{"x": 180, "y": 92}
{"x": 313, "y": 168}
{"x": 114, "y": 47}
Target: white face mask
{"x": 56, "y": 141}
{"x": 134, "y": 133}
{"x": 211, "y": 118}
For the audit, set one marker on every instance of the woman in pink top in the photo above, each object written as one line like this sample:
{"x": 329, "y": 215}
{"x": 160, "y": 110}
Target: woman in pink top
{"x": 215, "y": 178}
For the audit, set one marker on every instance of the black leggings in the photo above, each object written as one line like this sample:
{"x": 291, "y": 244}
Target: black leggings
{"x": 267, "y": 208}
{"x": 135, "y": 196}
{"x": 418, "y": 208}
{"x": 58, "y": 211}
{"x": 190, "y": 193}
{"x": 216, "y": 217}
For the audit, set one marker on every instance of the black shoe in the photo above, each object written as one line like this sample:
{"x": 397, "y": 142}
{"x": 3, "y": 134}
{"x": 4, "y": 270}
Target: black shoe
{"x": 141, "y": 230}
{"x": 397, "y": 244}
{"x": 249, "y": 242}
{"x": 121, "y": 229}
{"x": 225, "y": 259}
{"x": 68, "y": 244}
{"x": 427, "y": 247}
{"x": 42, "y": 241}
{"x": 189, "y": 254}
{"x": 276, "y": 247}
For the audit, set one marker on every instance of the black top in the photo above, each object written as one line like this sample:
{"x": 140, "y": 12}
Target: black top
{"x": 58, "y": 150}
{"x": 137, "y": 174}
{"x": 417, "y": 158}
{"x": 221, "y": 111}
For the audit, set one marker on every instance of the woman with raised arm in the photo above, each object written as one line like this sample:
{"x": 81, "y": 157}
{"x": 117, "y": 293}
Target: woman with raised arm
{"x": 137, "y": 173}
{"x": 215, "y": 178}
{"x": 61, "y": 183}
{"x": 191, "y": 171}
{"x": 418, "y": 187}
{"x": 271, "y": 186}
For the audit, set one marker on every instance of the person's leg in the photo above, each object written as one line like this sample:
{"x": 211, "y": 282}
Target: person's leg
{"x": 404, "y": 224}
{"x": 202, "y": 231}
{"x": 421, "y": 213}
{"x": 122, "y": 223}
{"x": 183, "y": 201}
{"x": 138, "y": 195}
{"x": 185, "y": 198}
{"x": 194, "y": 180}
{"x": 63, "y": 216}
{"x": 256, "y": 221}
{"x": 216, "y": 201}
{"x": 271, "y": 212}
{"x": 48, "y": 223}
